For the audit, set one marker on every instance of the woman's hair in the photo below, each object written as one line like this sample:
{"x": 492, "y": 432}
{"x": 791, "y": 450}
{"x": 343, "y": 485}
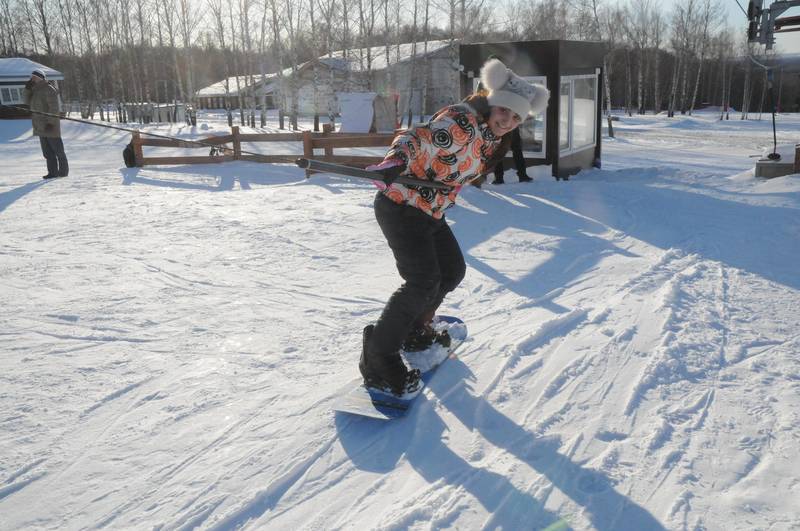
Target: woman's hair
{"x": 480, "y": 102}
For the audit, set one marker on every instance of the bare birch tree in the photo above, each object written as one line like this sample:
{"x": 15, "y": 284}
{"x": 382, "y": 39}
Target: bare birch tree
{"x": 68, "y": 24}
{"x": 237, "y": 74}
{"x": 706, "y": 21}
{"x": 86, "y": 11}
{"x": 40, "y": 12}
{"x": 682, "y": 40}
{"x": 145, "y": 41}
{"x": 424, "y": 111}
{"x": 606, "y": 25}
{"x": 657, "y": 35}
{"x": 315, "y": 62}
{"x": 277, "y": 47}
{"x": 189, "y": 18}
{"x": 294, "y": 21}
{"x": 747, "y": 89}
{"x": 8, "y": 36}
{"x": 413, "y": 66}
{"x": 262, "y": 50}
{"x": 217, "y": 13}
{"x": 329, "y": 10}
{"x": 638, "y": 32}
{"x": 367, "y": 16}
{"x": 245, "y": 7}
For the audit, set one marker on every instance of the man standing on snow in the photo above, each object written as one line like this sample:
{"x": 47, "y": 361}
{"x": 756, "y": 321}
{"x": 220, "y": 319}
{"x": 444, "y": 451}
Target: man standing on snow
{"x": 42, "y": 99}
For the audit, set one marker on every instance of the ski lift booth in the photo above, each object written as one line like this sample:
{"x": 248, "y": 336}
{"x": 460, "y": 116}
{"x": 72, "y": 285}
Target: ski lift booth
{"x": 567, "y": 135}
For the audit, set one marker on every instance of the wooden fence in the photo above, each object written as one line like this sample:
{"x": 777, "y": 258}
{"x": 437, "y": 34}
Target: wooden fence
{"x": 326, "y": 141}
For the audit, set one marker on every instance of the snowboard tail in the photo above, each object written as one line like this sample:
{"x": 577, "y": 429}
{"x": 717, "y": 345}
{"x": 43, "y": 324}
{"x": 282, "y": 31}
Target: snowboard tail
{"x": 368, "y": 402}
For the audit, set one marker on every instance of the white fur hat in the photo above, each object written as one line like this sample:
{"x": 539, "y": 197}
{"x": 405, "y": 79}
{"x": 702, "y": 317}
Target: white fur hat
{"x": 507, "y": 89}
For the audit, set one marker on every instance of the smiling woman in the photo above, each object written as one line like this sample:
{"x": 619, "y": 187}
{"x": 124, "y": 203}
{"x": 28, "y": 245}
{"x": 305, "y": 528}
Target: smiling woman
{"x": 460, "y": 144}
{"x": 503, "y": 120}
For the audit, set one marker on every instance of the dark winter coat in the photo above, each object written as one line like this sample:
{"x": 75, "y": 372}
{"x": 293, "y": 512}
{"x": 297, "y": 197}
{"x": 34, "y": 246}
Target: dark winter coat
{"x": 43, "y": 97}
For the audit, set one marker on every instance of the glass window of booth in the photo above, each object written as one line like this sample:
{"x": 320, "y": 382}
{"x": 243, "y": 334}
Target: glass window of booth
{"x": 578, "y": 113}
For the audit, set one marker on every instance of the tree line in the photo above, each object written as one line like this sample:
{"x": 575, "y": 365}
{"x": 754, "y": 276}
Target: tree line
{"x": 671, "y": 59}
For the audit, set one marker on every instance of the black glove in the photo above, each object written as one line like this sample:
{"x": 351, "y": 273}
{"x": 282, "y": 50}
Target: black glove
{"x": 390, "y": 169}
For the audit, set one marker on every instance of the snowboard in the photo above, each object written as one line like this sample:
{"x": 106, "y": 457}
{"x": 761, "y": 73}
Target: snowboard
{"x": 367, "y": 402}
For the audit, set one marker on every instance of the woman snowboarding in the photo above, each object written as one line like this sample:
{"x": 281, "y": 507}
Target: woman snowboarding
{"x": 460, "y": 143}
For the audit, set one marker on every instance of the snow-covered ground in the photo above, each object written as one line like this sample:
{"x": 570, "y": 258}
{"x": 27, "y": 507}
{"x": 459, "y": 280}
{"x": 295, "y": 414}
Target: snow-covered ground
{"x": 172, "y": 339}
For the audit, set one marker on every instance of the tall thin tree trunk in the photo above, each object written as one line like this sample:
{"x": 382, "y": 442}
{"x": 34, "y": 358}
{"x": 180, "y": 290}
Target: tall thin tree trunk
{"x": 763, "y": 95}
{"x": 684, "y": 85}
{"x": 387, "y": 41}
{"x": 728, "y": 93}
{"x": 747, "y": 90}
{"x": 674, "y": 88}
{"x": 315, "y": 70}
{"x": 640, "y": 83}
{"x": 657, "y": 82}
{"x": 629, "y": 84}
{"x": 425, "y": 67}
{"x": 696, "y": 84}
{"x": 723, "y": 73}
{"x": 607, "y": 83}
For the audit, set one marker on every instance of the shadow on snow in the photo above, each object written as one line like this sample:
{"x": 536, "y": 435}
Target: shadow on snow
{"x": 378, "y": 446}
{"x": 224, "y": 176}
{"x": 693, "y": 217}
{"x": 9, "y": 197}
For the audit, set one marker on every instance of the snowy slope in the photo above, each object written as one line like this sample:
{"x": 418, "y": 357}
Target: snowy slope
{"x": 172, "y": 339}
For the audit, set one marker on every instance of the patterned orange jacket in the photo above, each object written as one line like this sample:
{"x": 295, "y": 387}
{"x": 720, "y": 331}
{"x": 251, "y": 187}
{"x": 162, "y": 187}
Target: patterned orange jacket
{"x": 452, "y": 148}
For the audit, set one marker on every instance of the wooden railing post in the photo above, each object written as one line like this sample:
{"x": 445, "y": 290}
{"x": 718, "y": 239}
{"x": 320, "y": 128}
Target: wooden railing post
{"x": 327, "y": 129}
{"x": 797, "y": 158}
{"x": 137, "y": 148}
{"x": 237, "y": 143}
{"x": 308, "y": 148}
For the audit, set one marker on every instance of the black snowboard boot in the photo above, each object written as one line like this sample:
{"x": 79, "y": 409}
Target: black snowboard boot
{"x": 386, "y": 372}
{"x": 423, "y": 337}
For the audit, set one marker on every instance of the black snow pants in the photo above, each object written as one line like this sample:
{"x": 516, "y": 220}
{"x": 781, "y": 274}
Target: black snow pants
{"x": 430, "y": 262}
{"x": 53, "y": 152}
{"x": 519, "y": 158}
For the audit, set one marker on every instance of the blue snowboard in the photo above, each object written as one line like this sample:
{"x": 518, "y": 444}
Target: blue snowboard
{"x": 366, "y": 402}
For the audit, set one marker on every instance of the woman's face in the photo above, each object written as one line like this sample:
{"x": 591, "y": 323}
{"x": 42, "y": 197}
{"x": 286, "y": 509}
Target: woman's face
{"x": 502, "y": 120}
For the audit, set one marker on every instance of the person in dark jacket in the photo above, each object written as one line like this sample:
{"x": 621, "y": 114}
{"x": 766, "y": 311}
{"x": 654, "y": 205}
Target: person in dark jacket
{"x": 459, "y": 144}
{"x": 42, "y": 99}
{"x": 519, "y": 161}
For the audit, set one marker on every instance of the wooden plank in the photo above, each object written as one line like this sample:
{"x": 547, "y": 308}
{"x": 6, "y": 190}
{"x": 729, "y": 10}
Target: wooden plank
{"x": 168, "y": 142}
{"x": 178, "y": 143}
{"x": 354, "y": 141}
{"x": 216, "y": 140}
{"x": 272, "y": 137}
{"x": 166, "y": 161}
{"x": 360, "y": 135}
{"x": 348, "y": 160}
{"x": 271, "y": 159}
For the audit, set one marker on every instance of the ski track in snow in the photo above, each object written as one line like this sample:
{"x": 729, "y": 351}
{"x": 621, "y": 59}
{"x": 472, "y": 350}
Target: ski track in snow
{"x": 174, "y": 338}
